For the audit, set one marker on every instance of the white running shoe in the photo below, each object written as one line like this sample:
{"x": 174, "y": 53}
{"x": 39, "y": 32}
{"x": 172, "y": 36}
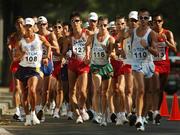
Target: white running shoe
{"x": 28, "y": 120}
{"x": 70, "y": 115}
{"x": 139, "y": 124}
{"x": 35, "y": 119}
{"x": 97, "y": 118}
{"x": 79, "y": 120}
{"x": 63, "y": 110}
{"x": 84, "y": 115}
{"x": 121, "y": 119}
{"x": 56, "y": 115}
{"x": 103, "y": 121}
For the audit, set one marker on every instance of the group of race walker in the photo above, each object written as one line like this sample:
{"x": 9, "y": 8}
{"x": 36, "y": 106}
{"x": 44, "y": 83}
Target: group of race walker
{"x": 98, "y": 70}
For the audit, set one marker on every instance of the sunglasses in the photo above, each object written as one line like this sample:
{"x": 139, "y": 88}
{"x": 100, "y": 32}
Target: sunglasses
{"x": 43, "y": 24}
{"x": 28, "y": 25}
{"x": 57, "y": 27}
{"x": 103, "y": 25}
{"x": 120, "y": 23}
{"x": 73, "y": 21}
{"x": 158, "y": 21}
{"x": 144, "y": 18}
{"x": 94, "y": 21}
{"x": 133, "y": 20}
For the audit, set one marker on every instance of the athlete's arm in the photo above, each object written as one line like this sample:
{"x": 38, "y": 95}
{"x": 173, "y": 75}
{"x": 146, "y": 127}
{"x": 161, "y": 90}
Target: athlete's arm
{"x": 54, "y": 42}
{"x": 111, "y": 47}
{"x": 19, "y": 52}
{"x": 169, "y": 39}
{"x": 88, "y": 46}
{"x": 151, "y": 48}
{"x": 9, "y": 46}
{"x": 47, "y": 44}
{"x": 65, "y": 48}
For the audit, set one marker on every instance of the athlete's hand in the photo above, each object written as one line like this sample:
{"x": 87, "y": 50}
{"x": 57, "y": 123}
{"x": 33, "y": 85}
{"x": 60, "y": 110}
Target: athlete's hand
{"x": 87, "y": 60}
{"x": 164, "y": 36}
{"x": 45, "y": 61}
{"x": 143, "y": 43}
{"x": 63, "y": 61}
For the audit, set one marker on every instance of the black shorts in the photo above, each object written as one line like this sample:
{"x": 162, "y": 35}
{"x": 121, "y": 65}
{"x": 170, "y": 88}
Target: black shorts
{"x": 24, "y": 73}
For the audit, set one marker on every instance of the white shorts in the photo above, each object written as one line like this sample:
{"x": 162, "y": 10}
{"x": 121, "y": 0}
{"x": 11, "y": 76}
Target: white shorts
{"x": 146, "y": 68}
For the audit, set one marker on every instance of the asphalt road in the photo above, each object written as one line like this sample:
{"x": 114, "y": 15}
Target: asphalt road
{"x": 63, "y": 126}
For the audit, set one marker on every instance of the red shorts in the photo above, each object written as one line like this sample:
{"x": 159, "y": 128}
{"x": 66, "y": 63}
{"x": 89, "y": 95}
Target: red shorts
{"x": 116, "y": 67}
{"x": 14, "y": 66}
{"x": 162, "y": 69}
{"x": 78, "y": 66}
{"x": 125, "y": 69}
{"x": 57, "y": 69}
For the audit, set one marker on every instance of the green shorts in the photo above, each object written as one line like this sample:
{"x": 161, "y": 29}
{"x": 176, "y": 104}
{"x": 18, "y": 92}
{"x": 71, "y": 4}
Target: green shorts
{"x": 106, "y": 71}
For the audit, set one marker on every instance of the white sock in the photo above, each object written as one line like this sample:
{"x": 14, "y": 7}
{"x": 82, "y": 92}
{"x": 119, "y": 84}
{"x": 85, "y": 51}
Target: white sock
{"x": 33, "y": 113}
{"x": 18, "y": 111}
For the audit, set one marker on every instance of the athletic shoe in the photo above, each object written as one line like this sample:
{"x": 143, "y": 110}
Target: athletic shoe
{"x": 156, "y": 118}
{"x": 56, "y": 115}
{"x": 139, "y": 124}
{"x": 113, "y": 117}
{"x": 103, "y": 121}
{"x": 149, "y": 116}
{"x": 90, "y": 113}
{"x": 132, "y": 119}
{"x": 63, "y": 110}
{"x": 84, "y": 115}
{"x": 40, "y": 114}
{"x": 97, "y": 118}
{"x": 28, "y": 120}
{"x": 18, "y": 117}
{"x": 70, "y": 115}
{"x": 121, "y": 119}
{"x": 79, "y": 120}
{"x": 35, "y": 119}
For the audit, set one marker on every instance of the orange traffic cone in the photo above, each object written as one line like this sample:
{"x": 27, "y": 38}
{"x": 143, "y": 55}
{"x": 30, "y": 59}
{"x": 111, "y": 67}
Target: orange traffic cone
{"x": 164, "y": 107}
{"x": 175, "y": 114}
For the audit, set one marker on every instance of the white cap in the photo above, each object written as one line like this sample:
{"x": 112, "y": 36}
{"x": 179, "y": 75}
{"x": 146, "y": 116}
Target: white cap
{"x": 93, "y": 16}
{"x": 111, "y": 24}
{"x": 29, "y": 21}
{"x": 133, "y": 14}
{"x": 42, "y": 19}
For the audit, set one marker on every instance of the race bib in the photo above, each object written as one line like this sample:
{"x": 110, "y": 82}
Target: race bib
{"x": 140, "y": 54}
{"x": 32, "y": 57}
{"x": 99, "y": 53}
{"x": 161, "y": 54}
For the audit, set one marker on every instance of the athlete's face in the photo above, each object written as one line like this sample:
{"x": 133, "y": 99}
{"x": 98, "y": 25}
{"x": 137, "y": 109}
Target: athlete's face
{"x": 57, "y": 28}
{"x": 29, "y": 29}
{"x": 19, "y": 22}
{"x": 133, "y": 23}
{"x": 66, "y": 30}
{"x": 93, "y": 23}
{"x": 76, "y": 22}
{"x": 42, "y": 26}
{"x": 120, "y": 24}
{"x": 103, "y": 24}
{"x": 143, "y": 18}
{"x": 158, "y": 22}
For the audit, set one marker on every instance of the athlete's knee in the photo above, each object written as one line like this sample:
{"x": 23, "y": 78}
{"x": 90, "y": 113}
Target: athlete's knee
{"x": 128, "y": 92}
{"x": 140, "y": 92}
